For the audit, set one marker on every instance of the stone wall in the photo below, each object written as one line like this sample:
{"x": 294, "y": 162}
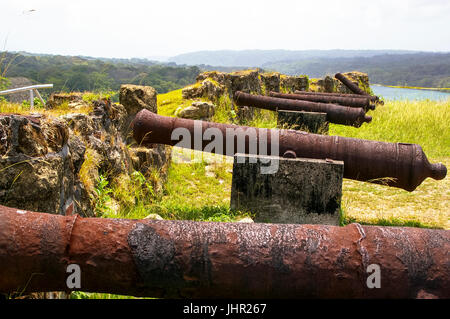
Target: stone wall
{"x": 50, "y": 164}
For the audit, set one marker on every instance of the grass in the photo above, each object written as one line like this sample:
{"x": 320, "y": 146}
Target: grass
{"x": 420, "y": 122}
{"x": 169, "y": 103}
{"x": 24, "y": 108}
{"x": 194, "y": 191}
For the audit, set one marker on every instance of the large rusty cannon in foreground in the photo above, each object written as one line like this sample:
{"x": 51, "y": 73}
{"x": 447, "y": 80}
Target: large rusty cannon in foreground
{"x": 337, "y": 114}
{"x": 186, "y": 259}
{"x": 394, "y": 164}
{"x": 361, "y": 102}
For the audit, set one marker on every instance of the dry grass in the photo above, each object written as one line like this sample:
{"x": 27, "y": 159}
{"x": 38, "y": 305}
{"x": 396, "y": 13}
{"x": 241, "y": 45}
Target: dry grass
{"x": 427, "y": 206}
{"x": 6, "y": 107}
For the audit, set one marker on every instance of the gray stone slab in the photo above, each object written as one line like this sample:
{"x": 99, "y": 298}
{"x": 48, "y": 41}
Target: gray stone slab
{"x": 300, "y": 191}
{"x": 305, "y": 121}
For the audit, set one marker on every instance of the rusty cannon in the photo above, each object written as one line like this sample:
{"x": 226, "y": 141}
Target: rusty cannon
{"x": 358, "y": 102}
{"x": 372, "y": 98}
{"x": 394, "y": 164}
{"x": 186, "y": 259}
{"x": 337, "y": 114}
{"x": 352, "y": 86}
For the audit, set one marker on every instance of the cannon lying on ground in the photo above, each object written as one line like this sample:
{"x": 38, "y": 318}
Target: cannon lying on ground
{"x": 337, "y": 114}
{"x": 394, "y": 164}
{"x": 186, "y": 259}
{"x": 361, "y": 102}
{"x": 372, "y": 98}
{"x": 352, "y": 86}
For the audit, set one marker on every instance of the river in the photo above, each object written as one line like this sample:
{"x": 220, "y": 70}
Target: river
{"x": 389, "y": 93}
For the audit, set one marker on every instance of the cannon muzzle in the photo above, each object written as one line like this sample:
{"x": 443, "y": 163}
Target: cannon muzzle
{"x": 393, "y": 164}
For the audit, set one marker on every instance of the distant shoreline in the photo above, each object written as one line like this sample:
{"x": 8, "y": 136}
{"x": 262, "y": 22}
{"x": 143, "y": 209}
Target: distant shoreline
{"x": 446, "y": 90}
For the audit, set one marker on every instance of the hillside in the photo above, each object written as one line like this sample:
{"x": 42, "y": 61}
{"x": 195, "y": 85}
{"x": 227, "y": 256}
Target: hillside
{"x": 418, "y": 69}
{"x": 69, "y": 73}
{"x": 258, "y": 58}
{"x": 388, "y": 67}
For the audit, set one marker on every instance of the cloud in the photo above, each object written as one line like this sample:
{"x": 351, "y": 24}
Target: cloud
{"x": 145, "y": 28}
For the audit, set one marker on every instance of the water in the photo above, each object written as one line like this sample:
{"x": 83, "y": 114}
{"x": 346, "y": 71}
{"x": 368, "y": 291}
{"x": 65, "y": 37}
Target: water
{"x": 389, "y": 93}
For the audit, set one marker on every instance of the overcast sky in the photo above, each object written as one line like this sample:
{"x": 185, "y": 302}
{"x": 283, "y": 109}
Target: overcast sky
{"x": 131, "y": 28}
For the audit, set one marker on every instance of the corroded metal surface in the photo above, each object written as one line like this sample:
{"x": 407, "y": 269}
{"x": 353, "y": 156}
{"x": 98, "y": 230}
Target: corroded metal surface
{"x": 335, "y": 113}
{"x": 372, "y": 98}
{"x": 352, "y": 86}
{"x": 346, "y": 101}
{"x": 394, "y": 164}
{"x": 185, "y": 259}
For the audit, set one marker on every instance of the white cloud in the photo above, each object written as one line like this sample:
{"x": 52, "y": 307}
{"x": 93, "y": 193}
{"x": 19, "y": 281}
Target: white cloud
{"x": 148, "y": 28}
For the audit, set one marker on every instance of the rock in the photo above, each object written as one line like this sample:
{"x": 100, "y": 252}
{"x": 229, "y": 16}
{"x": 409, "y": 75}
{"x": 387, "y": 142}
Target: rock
{"x": 148, "y": 160}
{"x": 245, "y": 220}
{"x": 77, "y": 149}
{"x": 206, "y": 88}
{"x": 198, "y": 111}
{"x": 77, "y": 105}
{"x": 36, "y": 165}
{"x": 56, "y": 99}
{"x": 359, "y": 78}
{"x": 300, "y": 191}
{"x": 327, "y": 84}
{"x": 154, "y": 216}
{"x": 270, "y": 82}
{"x": 61, "y": 158}
{"x": 137, "y": 97}
{"x": 245, "y": 81}
{"x": 290, "y": 84}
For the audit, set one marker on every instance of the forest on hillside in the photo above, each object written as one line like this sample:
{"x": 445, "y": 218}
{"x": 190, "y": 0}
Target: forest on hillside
{"x": 69, "y": 73}
{"x": 418, "y": 69}
{"x": 388, "y": 67}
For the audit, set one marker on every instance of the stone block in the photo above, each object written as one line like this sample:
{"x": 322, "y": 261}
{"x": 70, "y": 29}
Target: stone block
{"x": 300, "y": 191}
{"x": 305, "y": 121}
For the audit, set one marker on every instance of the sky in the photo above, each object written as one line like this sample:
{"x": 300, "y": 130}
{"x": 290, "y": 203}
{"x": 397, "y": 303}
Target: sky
{"x": 163, "y": 28}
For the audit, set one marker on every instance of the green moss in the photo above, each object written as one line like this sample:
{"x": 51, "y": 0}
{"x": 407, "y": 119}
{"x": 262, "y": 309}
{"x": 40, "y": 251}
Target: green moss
{"x": 212, "y": 81}
{"x": 169, "y": 102}
{"x": 243, "y": 72}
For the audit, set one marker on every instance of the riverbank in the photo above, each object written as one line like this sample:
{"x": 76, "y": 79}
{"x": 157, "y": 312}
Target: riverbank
{"x": 408, "y": 93}
{"x": 415, "y": 88}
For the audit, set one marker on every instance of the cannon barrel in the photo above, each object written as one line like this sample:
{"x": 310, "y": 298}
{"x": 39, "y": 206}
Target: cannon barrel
{"x": 372, "y": 98}
{"x": 187, "y": 259}
{"x": 346, "y": 101}
{"x": 352, "y": 86}
{"x": 337, "y": 114}
{"x": 394, "y": 164}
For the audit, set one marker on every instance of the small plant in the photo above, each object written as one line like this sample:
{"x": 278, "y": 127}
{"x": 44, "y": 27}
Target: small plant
{"x": 103, "y": 196}
{"x": 93, "y": 96}
{"x": 37, "y": 103}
